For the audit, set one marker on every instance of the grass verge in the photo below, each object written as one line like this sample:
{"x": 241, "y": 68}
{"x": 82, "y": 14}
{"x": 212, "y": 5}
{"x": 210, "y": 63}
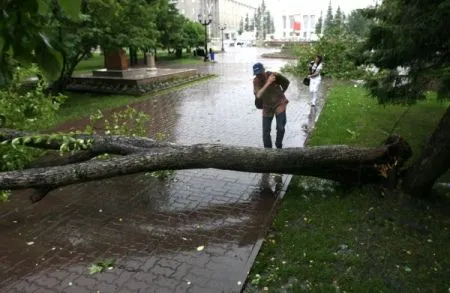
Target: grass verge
{"x": 79, "y": 105}
{"x": 328, "y": 238}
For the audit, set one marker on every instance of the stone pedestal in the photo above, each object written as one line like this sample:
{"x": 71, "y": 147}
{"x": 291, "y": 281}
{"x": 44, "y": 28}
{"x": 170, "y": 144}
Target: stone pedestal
{"x": 116, "y": 60}
{"x": 131, "y": 73}
{"x": 149, "y": 60}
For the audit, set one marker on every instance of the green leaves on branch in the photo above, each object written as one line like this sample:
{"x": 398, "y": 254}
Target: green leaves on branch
{"x": 26, "y": 106}
{"x": 68, "y": 143}
{"x": 4, "y": 195}
{"x": 128, "y": 122}
{"x": 70, "y": 7}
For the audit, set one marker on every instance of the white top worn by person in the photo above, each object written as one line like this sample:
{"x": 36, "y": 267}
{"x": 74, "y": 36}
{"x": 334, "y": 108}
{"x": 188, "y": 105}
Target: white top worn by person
{"x": 315, "y": 79}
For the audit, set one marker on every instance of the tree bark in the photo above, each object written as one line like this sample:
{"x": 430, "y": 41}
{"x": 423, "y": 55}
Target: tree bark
{"x": 350, "y": 165}
{"x": 433, "y": 162}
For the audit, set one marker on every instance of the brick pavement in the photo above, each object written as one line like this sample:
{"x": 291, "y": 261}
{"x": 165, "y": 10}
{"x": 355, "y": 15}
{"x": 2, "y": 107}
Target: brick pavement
{"x": 153, "y": 227}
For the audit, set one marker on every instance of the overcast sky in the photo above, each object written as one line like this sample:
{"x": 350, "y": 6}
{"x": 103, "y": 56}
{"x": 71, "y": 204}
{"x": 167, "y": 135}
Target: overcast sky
{"x": 346, "y": 5}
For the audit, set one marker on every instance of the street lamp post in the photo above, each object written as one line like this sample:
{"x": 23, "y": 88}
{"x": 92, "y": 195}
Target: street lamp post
{"x": 205, "y": 20}
{"x": 222, "y": 28}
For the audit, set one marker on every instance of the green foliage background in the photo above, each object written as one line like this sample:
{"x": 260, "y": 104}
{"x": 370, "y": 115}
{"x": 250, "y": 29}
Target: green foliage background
{"x": 25, "y": 106}
{"x": 336, "y": 49}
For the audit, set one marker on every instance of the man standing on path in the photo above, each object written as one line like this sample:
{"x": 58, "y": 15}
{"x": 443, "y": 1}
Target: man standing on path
{"x": 270, "y": 87}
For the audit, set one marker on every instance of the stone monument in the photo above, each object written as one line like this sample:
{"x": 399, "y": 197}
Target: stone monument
{"x": 119, "y": 77}
{"x": 116, "y": 65}
{"x": 116, "y": 60}
{"x": 149, "y": 60}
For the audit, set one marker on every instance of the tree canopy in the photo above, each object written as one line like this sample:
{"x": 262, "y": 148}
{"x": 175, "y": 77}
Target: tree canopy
{"x": 358, "y": 24}
{"x": 57, "y": 35}
{"x": 328, "y": 22}
{"x": 319, "y": 24}
{"x": 25, "y": 36}
{"x": 414, "y": 37}
{"x": 262, "y": 22}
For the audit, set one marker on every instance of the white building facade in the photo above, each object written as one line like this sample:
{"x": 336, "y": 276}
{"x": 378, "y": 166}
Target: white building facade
{"x": 225, "y": 13}
{"x": 295, "y": 20}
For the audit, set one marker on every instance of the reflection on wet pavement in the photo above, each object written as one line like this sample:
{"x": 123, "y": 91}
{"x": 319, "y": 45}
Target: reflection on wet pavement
{"x": 155, "y": 228}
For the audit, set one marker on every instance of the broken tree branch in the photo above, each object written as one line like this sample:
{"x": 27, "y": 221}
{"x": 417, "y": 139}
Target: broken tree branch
{"x": 350, "y": 165}
{"x": 112, "y": 144}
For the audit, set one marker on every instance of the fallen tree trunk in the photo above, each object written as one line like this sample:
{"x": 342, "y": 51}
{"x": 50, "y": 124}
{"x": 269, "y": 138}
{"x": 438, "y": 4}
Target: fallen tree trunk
{"x": 350, "y": 165}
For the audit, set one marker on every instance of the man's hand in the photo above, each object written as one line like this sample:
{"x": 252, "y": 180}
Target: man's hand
{"x": 271, "y": 78}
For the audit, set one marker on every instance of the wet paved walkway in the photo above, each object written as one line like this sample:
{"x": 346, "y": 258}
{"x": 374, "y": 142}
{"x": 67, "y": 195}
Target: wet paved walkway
{"x": 198, "y": 231}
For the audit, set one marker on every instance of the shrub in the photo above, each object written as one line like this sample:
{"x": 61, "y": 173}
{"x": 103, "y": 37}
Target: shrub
{"x": 25, "y": 106}
{"x": 336, "y": 48}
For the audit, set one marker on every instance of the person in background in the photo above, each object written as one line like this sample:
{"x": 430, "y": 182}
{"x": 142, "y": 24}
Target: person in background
{"x": 211, "y": 54}
{"x": 315, "y": 68}
{"x": 270, "y": 87}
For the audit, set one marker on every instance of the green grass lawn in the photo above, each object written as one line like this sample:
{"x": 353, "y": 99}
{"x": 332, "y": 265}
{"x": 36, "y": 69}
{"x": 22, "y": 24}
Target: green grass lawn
{"x": 97, "y": 61}
{"x": 186, "y": 59}
{"x": 350, "y": 117}
{"x": 79, "y": 105}
{"x": 328, "y": 238}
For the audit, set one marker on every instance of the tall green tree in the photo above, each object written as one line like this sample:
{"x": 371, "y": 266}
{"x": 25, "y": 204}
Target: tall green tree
{"x": 247, "y": 23}
{"x": 272, "y": 25}
{"x": 72, "y": 39}
{"x": 413, "y": 36}
{"x": 319, "y": 24}
{"x": 251, "y": 27}
{"x": 170, "y": 25}
{"x": 338, "y": 17}
{"x": 258, "y": 22}
{"x": 193, "y": 34}
{"x": 269, "y": 24}
{"x": 328, "y": 22}
{"x": 263, "y": 22}
{"x": 357, "y": 24}
{"x": 241, "y": 26}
